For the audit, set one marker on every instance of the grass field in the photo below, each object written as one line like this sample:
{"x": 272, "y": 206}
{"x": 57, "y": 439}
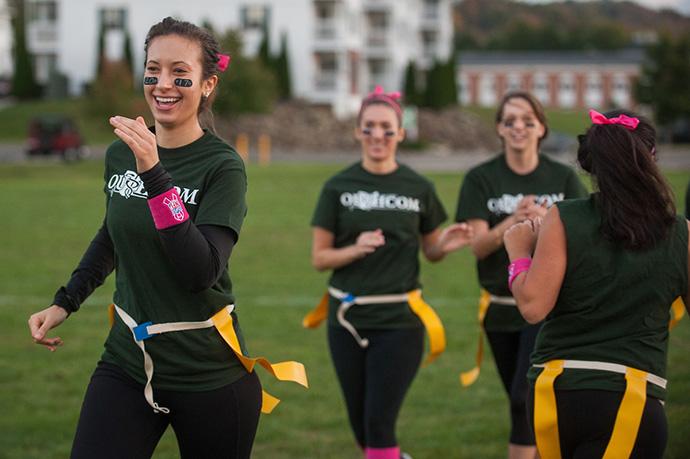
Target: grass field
{"x": 50, "y": 212}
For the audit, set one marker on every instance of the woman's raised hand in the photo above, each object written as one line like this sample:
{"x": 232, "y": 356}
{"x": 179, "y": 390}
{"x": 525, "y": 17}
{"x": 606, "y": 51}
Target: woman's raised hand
{"x": 140, "y": 140}
{"x": 369, "y": 241}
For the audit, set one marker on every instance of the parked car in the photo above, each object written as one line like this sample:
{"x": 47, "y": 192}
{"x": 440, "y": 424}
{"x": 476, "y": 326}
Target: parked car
{"x": 559, "y": 142}
{"x": 56, "y": 135}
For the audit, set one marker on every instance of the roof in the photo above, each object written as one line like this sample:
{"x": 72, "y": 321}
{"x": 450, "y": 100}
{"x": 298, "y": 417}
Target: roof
{"x": 626, "y": 56}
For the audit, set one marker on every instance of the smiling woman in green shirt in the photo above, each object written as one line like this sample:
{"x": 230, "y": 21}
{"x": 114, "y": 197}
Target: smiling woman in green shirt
{"x": 515, "y": 185}
{"x": 369, "y": 224}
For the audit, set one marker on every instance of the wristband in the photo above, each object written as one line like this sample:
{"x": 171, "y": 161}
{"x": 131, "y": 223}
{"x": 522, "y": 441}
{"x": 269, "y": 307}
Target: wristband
{"x": 167, "y": 209}
{"x": 518, "y": 266}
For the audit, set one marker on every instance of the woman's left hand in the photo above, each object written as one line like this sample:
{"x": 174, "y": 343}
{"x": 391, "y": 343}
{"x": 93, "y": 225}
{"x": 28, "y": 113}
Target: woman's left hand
{"x": 521, "y": 238}
{"x": 140, "y": 140}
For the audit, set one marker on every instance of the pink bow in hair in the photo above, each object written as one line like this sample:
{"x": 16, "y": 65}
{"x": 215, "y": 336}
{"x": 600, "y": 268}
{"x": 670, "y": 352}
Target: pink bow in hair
{"x": 626, "y": 121}
{"x": 223, "y": 61}
{"x": 378, "y": 91}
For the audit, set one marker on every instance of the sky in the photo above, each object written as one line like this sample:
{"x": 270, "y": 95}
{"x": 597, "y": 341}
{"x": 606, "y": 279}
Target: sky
{"x": 681, "y": 5}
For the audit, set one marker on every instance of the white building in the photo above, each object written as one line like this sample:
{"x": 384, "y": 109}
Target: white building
{"x": 563, "y": 79}
{"x": 338, "y": 49}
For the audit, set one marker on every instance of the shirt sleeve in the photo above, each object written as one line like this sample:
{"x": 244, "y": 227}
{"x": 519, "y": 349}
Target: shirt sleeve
{"x": 434, "y": 214}
{"x": 326, "y": 212}
{"x": 224, "y": 201}
{"x": 472, "y": 199}
{"x": 96, "y": 264}
{"x": 574, "y": 188}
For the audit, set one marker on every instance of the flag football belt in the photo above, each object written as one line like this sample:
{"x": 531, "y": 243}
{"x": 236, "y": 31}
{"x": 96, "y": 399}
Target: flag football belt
{"x": 222, "y": 320}
{"x": 678, "y": 311}
{"x": 431, "y": 321}
{"x": 467, "y": 378}
{"x": 629, "y": 414}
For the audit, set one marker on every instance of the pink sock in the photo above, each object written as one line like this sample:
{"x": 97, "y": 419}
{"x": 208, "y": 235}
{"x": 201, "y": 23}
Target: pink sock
{"x": 382, "y": 453}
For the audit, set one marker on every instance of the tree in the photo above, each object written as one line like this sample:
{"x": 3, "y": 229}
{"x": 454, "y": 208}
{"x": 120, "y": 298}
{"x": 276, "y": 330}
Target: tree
{"x": 100, "y": 58}
{"x": 282, "y": 70}
{"x": 410, "y": 91}
{"x": 127, "y": 52}
{"x": 663, "y": 82}
{"x": 441, "y": 90}
{"x": 24, "y": 84}
{"x": 247, "y": 86}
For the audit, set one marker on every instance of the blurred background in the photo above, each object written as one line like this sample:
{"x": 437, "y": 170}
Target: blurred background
{"x": 287, "y": 103}
{"x": 300, "y": 67}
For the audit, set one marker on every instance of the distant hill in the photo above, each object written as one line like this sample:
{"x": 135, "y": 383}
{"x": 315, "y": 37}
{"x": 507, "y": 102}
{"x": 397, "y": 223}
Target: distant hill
{"x": 604, "y": 24}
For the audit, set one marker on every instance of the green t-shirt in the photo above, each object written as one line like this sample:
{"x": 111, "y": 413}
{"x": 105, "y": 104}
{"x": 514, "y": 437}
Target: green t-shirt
{"x": 404, "y": 205}
{"x": 211, "y": 180}
{"x": 491, "y": 192}
{"x": 614, "y": 303}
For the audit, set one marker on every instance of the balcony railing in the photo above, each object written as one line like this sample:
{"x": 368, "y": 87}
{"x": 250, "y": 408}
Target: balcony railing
{"x": 326, "y": 81}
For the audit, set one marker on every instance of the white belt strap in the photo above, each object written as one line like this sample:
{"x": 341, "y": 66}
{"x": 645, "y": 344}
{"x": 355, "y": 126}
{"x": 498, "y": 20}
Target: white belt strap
{"x": 141, "y": 332}
{"x": 507, "y": 300}
{"x": 347, "y": 300}
{"x": 606, "y": 366}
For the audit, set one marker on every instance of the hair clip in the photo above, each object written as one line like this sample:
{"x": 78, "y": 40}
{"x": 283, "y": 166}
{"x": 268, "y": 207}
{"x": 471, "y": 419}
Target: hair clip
{"x": 626, "y": 121}
{"x": 223, "y": 61}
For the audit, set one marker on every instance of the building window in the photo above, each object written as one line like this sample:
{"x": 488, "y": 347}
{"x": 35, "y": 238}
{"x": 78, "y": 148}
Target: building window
{"x": 43, "y": 11}
{"x": 254, "y": 16}
{"x": 113, "y": 18}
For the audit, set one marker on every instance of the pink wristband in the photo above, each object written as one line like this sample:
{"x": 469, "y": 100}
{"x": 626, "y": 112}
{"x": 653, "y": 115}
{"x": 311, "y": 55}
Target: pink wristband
{"x": 167, "y": 209}
{"x": 518, "y": 266}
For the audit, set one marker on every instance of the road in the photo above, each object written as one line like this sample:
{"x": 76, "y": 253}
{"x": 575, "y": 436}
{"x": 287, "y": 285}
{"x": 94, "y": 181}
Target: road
{"x": 670, "y": 158}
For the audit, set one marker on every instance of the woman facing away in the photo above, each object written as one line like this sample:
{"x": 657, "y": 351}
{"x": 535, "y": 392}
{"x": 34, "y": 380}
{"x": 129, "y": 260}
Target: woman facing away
{"x": 517, "y": 185}
{"x": 368, "y": 226}
{"x": 603, "y": 274}
{"x": 175, "y": 203}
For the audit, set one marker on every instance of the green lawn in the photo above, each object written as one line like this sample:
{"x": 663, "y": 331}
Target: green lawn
{"x": 50, "y": 212}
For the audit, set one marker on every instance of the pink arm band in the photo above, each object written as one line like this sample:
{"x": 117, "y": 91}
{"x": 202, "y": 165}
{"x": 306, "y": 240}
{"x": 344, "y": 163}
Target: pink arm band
{"x": 167, "y": 209}
{"x": 518, "y": 266}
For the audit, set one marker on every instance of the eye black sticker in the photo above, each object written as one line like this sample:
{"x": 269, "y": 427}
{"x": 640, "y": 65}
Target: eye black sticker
{"x": 150, "y": 80}
{"x": 183, "y": 82}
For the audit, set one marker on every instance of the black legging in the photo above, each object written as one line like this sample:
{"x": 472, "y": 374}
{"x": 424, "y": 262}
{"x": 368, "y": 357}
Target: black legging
{"x": 586, "y": 419}
{"x": 117, "y": 422}
{"x": 511, "y": 352}
{"x": 375, "y": 380}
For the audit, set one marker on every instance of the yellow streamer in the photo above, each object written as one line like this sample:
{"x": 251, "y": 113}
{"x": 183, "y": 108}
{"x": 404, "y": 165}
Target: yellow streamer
{"x": 629, "y": 416}
{"x": 432, "y": 323}
{"x": 314, "y": 318}
{"x": 678, "y": 309}
{"x": 283, "y": 371}
{"x": 546, "y": 412}
{"x": 467, "y": 378}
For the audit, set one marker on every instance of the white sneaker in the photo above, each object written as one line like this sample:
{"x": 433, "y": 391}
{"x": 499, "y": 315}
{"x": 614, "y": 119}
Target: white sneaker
{"x": 404, "y": 455}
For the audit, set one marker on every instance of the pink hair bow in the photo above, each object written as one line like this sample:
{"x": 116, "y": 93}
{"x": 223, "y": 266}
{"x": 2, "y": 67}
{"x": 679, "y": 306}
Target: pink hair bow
{"x": 378, "y": 91}
{"x": 626, "y": 121}
{"x": 223, "y": 61}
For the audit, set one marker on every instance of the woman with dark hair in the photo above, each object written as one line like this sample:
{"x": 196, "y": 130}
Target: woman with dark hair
{"x": 368, "y": 226}
{"x": 175, "y": 203}
{"x": 517, "y": 185}
{"x": 604, "y": 272}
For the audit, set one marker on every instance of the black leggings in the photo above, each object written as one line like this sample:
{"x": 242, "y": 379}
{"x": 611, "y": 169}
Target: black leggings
{"x": 117, "y": 422}
{"x": 586, "y": 419}
{"x": 375, "y": 380}
{"x": 511, "y": 352}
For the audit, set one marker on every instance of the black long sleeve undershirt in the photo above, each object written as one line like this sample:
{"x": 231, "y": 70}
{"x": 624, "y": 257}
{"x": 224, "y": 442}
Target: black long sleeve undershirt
{"x": 198, "y": 253}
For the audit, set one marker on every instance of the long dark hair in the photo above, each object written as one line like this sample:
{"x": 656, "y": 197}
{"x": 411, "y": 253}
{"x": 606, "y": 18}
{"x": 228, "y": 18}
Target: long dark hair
{"x": 635, "y": 201}
{"x": 209, "y": 57}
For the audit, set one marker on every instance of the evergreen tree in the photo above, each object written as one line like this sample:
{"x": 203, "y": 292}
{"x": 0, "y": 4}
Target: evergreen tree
{"x": 663, "y": 83}
{"x": 432, "y": 91}
{"x": 100, "y": 58}
{"x": 450, "y": 85}
{"x": 264, "y": 53}
{"x": 24, "y": 84}
{"x": 127, "y": 52}
{"x": 410, "y": 92}
{"x": 259, "y": 89}
{"x": 282, "y": 68}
